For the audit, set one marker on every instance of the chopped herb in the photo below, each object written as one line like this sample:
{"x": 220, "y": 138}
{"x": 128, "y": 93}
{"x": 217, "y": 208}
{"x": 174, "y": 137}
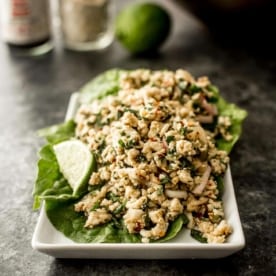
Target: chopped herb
{"x": 196, "y": 106}
{"x": 160, "y": 190}
{"x": 127, "y": 145}
{"x": 215, "y": 219}
{"x": 220, "y": 186}
{"x": 165, "y": 180}
{"x": 112, "y": 196}
{"x": 116, "y": 223}
{"x": 107, "y": 163}
{"x": 135, "y": 112}
{"x": 148, "y": 107}
{"x": 141, "y": 158}
{"x": 120, "y": 113}
{"x": 193, "y": 171}
{"x": 102, "y": 146}
{"x": 107, "y": 121}
{"x": 92, "y": 188}
{"x": 130, "y": 144}
{"x": 183, "y": 131}
{"x": 119, "y": 209}
{"x": 184, "y": 162}
{"x": 144, "y": 82}
{"x": 98, "y": 121}
{"x": 95, "y": 206}
{"x": 198, "y": 236}
{"x": 121, "y": 143}
{"x": 89, "y": 123}
{"x": 193, "y": 88}
{"x": 148, "y": 223}
{"x": 169, "y": 139}
{"x": 181, "y": 99}
{"x": 172, "y": 151}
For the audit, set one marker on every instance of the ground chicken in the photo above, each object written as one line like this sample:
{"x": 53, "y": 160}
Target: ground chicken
{"x": 152, "y": 153}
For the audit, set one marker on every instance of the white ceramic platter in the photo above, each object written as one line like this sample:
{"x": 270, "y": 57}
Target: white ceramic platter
{"x": 48, "y": 240}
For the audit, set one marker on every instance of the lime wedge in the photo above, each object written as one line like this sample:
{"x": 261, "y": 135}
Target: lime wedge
{"x": 76, "y": 163}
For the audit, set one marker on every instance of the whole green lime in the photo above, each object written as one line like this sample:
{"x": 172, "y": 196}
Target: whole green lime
{"x": 142, "y": 27}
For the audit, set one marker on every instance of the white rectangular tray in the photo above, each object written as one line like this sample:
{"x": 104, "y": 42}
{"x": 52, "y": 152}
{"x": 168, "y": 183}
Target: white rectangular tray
{"x": 48, "y": 240}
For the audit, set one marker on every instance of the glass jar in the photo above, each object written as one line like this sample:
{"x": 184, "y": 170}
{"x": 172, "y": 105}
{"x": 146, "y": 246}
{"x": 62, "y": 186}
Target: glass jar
{"x": 86, "y": 24}
{"x": 26, "y": 25}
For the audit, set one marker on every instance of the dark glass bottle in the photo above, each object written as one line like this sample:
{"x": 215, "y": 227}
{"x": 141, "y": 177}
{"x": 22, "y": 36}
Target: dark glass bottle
{"x": 26, "y": 25}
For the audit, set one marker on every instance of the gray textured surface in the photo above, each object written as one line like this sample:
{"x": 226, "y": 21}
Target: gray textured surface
{"x": 34, "y": 93}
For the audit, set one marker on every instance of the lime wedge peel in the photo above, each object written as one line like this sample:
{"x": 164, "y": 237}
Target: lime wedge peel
{"x": 76, "y": 163}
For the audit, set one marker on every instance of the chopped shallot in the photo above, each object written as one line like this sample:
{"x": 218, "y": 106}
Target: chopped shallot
{"x": 210, "y": 108}
{"x": 205, "y": 119}
{"x": 176, "y": 193}
{"x": 204, "y": 180}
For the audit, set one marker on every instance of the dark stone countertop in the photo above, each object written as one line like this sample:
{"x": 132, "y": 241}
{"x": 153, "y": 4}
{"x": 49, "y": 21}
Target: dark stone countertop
{"x": 34, "y": 93}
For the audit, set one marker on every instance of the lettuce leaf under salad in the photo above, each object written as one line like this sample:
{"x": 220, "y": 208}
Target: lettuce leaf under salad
{"x": 52, "y": 188}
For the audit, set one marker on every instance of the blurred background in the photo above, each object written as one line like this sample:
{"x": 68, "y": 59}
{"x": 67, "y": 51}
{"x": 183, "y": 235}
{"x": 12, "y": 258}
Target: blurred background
{"x": 235, "y": 23}
{"x": 244, "y": 23}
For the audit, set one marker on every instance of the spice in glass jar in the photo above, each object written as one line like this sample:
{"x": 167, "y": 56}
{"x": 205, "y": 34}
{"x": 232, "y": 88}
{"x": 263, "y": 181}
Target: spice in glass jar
{"x": 86, "y": 24}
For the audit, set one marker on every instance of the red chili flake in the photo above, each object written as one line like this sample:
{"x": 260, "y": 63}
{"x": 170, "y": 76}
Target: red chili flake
{"x": 137, "y": 227}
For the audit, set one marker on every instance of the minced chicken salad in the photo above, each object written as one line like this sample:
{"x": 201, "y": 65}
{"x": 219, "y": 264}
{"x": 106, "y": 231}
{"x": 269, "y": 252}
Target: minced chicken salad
{"x": 160, "y": 140}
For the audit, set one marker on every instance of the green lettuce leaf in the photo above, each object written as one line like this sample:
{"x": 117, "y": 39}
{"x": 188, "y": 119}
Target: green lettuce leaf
{"x": 64, "y": 218}
{"x": 103, "y": 85}
{"x": 174, "y": 228}
{"x": 236, "y": 115}
{"x": 197, "y": 235}
{"x": 58, "y": 133}
{"x": 71, "y": 223}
